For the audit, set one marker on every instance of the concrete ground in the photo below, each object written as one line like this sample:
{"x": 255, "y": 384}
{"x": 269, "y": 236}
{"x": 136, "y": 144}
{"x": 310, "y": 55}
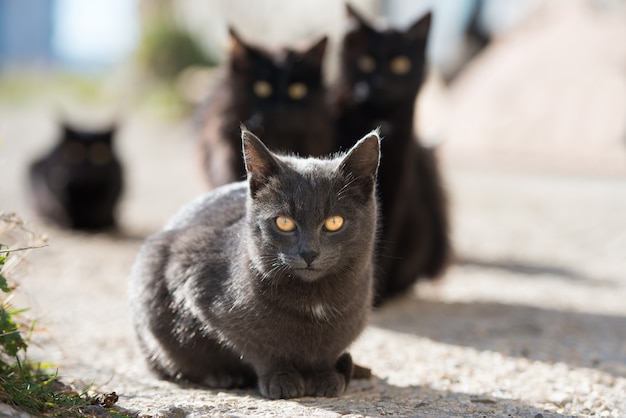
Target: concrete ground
{"x": 529, "y": 322}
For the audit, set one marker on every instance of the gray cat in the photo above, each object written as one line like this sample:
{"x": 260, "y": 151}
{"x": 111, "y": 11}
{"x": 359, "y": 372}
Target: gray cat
{"x": 266, "y": 281}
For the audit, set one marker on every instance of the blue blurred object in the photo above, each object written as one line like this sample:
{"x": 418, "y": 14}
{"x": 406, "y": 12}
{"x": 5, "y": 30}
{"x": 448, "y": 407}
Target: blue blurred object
{"x": 26, "y": 28}
{"x": 71, "y": 33}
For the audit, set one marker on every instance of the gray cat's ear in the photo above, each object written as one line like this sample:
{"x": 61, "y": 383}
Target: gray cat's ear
{"x": 419, "y": 30}
{"x": 261, "y": 164}
{"x": 361, "y": 162}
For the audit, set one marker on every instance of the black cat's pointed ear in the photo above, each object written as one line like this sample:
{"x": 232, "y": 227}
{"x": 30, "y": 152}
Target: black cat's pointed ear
{"x": 361, "y": 162}
{"x": 261, "y": 165}
{"x": 353, "y": 14}
{"x": 315, "y": 53}
{"x": 68, "y": 130}
{"x": 235, "y": 40}
{"x": 420, "y": 29}
{"x": 110, "y": 131}
{"x": 237, "y": 50}
{"x": 355, "y": 17}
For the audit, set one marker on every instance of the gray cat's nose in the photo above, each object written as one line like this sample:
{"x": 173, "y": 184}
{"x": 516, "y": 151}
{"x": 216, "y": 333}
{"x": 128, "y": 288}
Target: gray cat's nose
{"x": 309, "y": 256}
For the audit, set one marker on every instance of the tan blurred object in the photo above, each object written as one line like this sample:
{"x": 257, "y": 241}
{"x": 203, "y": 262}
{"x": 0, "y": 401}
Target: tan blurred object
{"x": 551, "y": 95}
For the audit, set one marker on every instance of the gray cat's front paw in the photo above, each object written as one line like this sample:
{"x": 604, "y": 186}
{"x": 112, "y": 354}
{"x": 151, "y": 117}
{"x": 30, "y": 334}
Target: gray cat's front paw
{"x": 226, "y": 381}
{"x": 345, "y": 366}
{"x": 334, "y": 382}
{"x": 328, "y": 384}
{"x": 282, "y": 385}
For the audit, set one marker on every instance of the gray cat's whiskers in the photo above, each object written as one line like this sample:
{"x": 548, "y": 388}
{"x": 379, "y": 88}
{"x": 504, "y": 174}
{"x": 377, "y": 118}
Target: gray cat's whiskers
{"x": 265, "y": 274}
{"x": 277, "y": 264}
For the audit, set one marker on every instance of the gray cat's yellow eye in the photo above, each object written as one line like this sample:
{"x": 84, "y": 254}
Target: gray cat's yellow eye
{"x": 74, "y": 153}
{"x": 366, "y": 63}
{"x": 262, "y": 89}
{"x": 285, "y": 223}
{"x": 334, "y": 223}
{"x": 297, "y": 91}
{"x": 400, "y": 65}
{"x": 99, "y": 154}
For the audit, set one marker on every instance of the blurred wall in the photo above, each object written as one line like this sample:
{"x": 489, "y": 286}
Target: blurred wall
{"x": 271, "y": 22}
{"x": 25, "y": 33}
{"x": 280, "y": 22}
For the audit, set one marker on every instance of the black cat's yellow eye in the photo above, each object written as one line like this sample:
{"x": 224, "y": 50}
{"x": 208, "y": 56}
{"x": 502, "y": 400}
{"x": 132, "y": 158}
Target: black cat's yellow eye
{"x": 74, "y": 153}
{"x": 400, "y": 65}
{"x": 366, "y": 64}
{"x": 297, "y": 91}
{"x": 262, "y": 89}
{"x": 285, "y": 223}
{"x": 334, "y": 223}
{"x": 99, "y": 154}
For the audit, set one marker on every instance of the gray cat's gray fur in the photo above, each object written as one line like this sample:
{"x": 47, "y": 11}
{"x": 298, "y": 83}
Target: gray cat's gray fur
{"x": 224, "y": 298}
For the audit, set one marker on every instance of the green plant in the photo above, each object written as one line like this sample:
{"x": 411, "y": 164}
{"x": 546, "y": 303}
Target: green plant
{"x": 11, "y": 339}
{"x": 12, "y": 343}
{"x": 24, "y": 385}
{"x": 167, "y": 47}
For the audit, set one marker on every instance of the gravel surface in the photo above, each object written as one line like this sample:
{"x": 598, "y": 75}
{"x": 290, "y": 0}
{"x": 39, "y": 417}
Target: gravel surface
{"x": 529, "y": 322}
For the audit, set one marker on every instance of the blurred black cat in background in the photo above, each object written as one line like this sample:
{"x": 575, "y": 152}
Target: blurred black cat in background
{"x": 279, "y": 95}
{"x": 78, "y": 183}
{"x": 381, "y": 75}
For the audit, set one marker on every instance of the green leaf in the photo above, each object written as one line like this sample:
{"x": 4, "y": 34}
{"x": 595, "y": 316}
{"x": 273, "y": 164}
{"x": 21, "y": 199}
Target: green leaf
{"x": 4, "y": 286}
{"x": 10, "y": 338}
{"x": 3, "y": 281}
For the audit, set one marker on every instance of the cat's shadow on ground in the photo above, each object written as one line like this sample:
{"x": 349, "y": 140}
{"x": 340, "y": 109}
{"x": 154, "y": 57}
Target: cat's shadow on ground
{"x": 539, "y": 334}
{"x": 579, "y": 339}
{"x": 377, "y": 397}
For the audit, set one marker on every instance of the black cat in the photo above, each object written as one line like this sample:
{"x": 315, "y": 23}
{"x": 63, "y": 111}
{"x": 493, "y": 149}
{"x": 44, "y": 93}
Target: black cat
{"x": 265, "y": 281}
{"x": 381, "y": 74}
{"x": 279, "y": 95}
{"x": 78, "y": 183}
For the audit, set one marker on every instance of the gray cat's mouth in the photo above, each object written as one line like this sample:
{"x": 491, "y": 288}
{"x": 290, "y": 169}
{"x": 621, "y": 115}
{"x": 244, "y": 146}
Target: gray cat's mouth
{"x": 308, "y": 274}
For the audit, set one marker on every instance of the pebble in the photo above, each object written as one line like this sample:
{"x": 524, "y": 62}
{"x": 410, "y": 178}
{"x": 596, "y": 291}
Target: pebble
{"x": 9, "y": 411}
{"x": 171, "y": 412}
{"x": 95, "y": 411}
{"x": 483, "y": 399}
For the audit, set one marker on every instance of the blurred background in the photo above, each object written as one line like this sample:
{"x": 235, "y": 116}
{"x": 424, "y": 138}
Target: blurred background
{"x": 525, "y": 102}
{"x": 499, "y": 69}
{"x": 532, "y": 86}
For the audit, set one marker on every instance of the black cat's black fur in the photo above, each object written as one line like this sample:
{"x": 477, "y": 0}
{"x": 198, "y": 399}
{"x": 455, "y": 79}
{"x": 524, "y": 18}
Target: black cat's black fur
{"x": 264, "y": 281}
{"x": 279, "y": 95}
{"x": 381, "y": 75}
{"x": 78, "y": 183}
